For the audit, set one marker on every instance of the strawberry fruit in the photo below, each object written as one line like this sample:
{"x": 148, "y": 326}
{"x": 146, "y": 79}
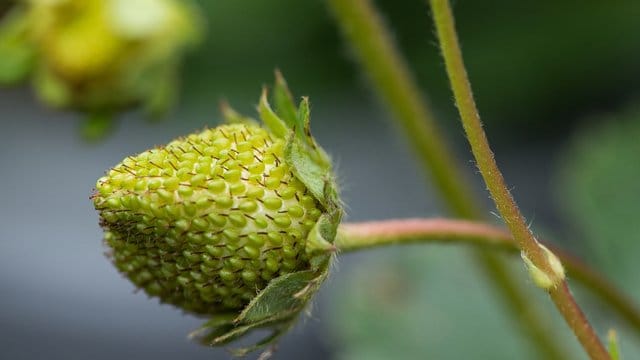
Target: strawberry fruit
{"x": 235, "y": 222}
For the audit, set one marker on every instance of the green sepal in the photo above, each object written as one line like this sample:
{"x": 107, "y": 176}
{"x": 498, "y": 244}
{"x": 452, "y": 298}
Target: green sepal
{"x": 275, "y": 307}
{"x": 297, "y": 120}
{"x": 276, "y": 125}
{"x": 229, "y": 332}
{"x": 285, "y": 106}
{"x": 303, "y": 131}
{"x": 233, "y": 117}
{"x": 310, "y": 164}
{"x": 307, "y": 160}
{"x": 323, "y": 234}
{"x": 320, "y": 240}
{"x": 279, "y": 299}
{"x": 217, "y": 321}
{"x": 268, "y": 340}
{"x": 214, "y": 328}
{"x": 304, "y": 119}
{"x": 310, "y": 172}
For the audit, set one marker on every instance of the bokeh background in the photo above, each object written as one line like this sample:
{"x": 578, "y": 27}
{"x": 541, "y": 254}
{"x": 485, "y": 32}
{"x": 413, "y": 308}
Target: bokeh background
{"x": 556, "y": 83}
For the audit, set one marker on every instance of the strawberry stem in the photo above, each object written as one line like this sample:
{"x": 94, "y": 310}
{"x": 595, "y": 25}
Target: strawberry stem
{"x": 531, "y": 249}
{"x": 354, "y": 237}
{"x": 392, "y": 79}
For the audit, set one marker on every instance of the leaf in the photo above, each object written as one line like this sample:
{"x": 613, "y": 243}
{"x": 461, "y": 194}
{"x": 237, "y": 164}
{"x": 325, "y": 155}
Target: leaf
{"x": 598, "y": 189}
{"x": 597, "y": 186}
{"x": 432, "y": 303}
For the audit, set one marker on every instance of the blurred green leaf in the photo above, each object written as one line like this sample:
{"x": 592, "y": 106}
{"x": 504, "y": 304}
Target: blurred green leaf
{"x": 600, "y": 191}
{"x": 426, "y": 302}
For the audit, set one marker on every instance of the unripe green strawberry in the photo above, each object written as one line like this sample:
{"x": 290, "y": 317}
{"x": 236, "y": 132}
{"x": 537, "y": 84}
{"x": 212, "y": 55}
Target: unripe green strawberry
{"x": 236, "y": 222}
{"x": 207, "y": 221}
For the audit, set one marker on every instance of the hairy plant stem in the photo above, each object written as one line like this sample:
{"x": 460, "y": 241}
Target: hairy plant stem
{"x": 492, "y": 176}
{"x": 368, "y": 235}
{"x": 381, "y": 61}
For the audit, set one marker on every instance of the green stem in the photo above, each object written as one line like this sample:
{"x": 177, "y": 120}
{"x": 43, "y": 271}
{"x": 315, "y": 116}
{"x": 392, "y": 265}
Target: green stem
{"x": 477, "y": 139}
{"x": 492, "y": 176}
{"x": 361, "y": 236}
{"x": 381, "y": 61}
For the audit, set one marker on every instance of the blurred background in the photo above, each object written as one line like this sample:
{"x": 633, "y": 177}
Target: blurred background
{"x": 557, "y": 86}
